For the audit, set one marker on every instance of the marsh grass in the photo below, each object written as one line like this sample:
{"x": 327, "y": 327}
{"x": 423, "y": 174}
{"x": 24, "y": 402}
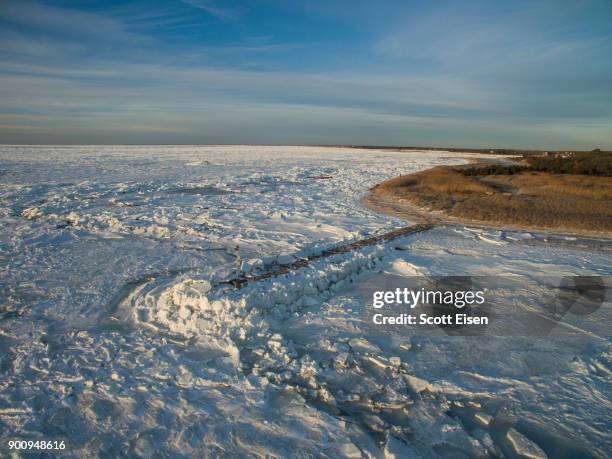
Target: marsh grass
{"x": 567, "y": 202}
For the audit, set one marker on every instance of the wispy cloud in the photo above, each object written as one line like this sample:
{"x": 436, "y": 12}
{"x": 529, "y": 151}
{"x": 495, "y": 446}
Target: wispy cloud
{"x": 470, "y": 39}
{"x": 211, "y": 8}
{"x": 441, "y": 77}
{"x": 72, "y": 24}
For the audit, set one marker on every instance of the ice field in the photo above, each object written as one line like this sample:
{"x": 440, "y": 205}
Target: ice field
{"x": 116, "y": 337}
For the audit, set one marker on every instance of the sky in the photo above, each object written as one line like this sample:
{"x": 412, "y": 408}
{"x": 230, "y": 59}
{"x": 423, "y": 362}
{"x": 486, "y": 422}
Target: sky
{"x": 520, "y": 74}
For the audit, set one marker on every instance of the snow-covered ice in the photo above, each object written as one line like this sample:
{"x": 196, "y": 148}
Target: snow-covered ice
{"x": 116, "y": 332}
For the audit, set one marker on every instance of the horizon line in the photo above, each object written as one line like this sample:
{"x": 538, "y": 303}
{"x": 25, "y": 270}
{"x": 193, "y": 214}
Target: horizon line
{"x": 356, "y": 146}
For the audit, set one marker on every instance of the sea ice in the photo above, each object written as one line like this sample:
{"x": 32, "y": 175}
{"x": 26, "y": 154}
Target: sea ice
{"x": 118, "y": 331}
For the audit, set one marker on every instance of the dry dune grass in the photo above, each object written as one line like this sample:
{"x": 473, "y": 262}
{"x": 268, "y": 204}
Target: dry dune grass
{"x": 437, "y": 188}
{"x": 577, "y": 185}
{"x": 446, "y": 180}
{"x": 575, "y": 203}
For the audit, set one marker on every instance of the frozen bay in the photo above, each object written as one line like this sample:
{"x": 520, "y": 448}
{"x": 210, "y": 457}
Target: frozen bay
{"x": 112, "y": 337}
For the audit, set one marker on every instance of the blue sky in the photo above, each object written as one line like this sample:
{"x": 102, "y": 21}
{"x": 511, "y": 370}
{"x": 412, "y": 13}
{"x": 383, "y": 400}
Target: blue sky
{"x": 525, "y": 74}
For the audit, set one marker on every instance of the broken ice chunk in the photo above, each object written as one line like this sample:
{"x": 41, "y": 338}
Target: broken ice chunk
{"x": 418, "y": 385}
{"x": 248, "y": 266}
{"x": 483, "y": 418}
{"x": 245, "y": 267}
{"x": 405, "y": 346}
{"x": 349, "y": 450}
{"x": 361, "y": 345}
{"x": 31, "y": 213}
{"x": 523, "y": 446}
{"x": 285, "y": 259}
{"x": 340, "y": 360}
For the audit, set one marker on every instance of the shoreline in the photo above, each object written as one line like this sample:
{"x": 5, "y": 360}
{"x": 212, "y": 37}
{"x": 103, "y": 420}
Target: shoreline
{"x": 390, "y": 198}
